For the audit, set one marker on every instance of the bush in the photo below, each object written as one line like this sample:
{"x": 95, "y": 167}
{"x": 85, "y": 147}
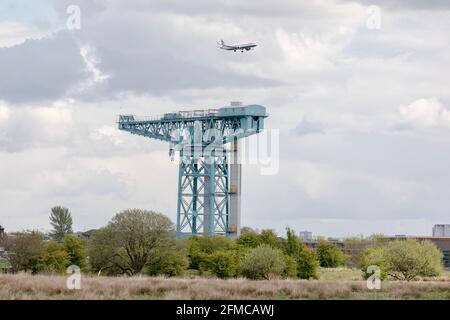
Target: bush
{"x": 200, "y": 250}
{"x": 270, "y": 238}
{"x": 292, "y": 245}
{"x": 307, "y": 264}
{"x": 290, "y": 267}
{"x": 329, "y": 255}
{"x": 248, "y": 238}
{"x": 263, "y": 262}
{"x": 355, "y": 246}
{"x": 373, "y": 257}
{"x": 172, "y": 263}
{"x": 25, "y": 251}
{"x": 404, "y": 259}
{"x": 55, "y": 259}
{"x": 76, "y": 249}
{"x": 407, "y": 259}
{"x": 224, "y": 264}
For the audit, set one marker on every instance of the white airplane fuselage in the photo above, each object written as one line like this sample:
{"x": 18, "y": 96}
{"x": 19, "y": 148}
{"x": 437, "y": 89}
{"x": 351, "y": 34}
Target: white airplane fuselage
{"x": 242, "y": 47}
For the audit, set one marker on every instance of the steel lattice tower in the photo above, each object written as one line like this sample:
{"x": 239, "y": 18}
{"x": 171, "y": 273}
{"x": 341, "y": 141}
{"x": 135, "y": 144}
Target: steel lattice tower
{"x": 209, "y": 179}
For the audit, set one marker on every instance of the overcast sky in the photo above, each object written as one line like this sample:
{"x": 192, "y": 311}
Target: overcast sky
{"x": 362, "y": 105}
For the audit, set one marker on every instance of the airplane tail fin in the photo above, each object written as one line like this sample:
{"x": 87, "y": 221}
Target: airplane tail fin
{"x": 222, "y": 42}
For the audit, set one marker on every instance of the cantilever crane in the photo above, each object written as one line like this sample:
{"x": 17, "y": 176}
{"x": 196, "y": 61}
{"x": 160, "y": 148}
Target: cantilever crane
{"x": 209, "y": 185}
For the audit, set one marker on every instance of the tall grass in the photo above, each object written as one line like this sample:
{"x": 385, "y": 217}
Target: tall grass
{"x": 24, "y": 286}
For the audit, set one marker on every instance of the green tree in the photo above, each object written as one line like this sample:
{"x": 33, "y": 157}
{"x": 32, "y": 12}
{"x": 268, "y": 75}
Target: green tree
{"x": 248, "y": 238}
{"x": 55, "y": 259}
{"x": 171, "y": 263}
{"x": 200, "y": 250}
{"x": 329, "y": 254}
{"x": 76, "y": 249}
{"x": 25, "y": 250}
{"x": 407, "y": 259}
{"x": 292, "y": 245}
{"x": 263, "y": 262}
{"x": 61, "y": 221}
{"x": 131, "y": 240}
{"x": 270, "y": 238}
{"x": 102, "y": 252}
{"x": 373, "y": 256}
{"x": 224, "y": 264}
{"x": 403, "y": 259}
{"x": 290, "y": 267}
{"x": 307, "y": 264}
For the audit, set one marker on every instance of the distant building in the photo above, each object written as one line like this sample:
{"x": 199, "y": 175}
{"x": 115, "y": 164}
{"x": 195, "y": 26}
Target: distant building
{"x": 306, "y": 235}
{"x": 2, "y": 231}
{"x": 85, "y": 234}
{"x": 441, "y": 230}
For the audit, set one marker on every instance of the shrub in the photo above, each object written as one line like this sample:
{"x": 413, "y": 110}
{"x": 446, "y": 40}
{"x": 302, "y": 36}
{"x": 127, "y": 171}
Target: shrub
{"x": 172, "y": 263}
{"x": 306, "y": 261}
{"x": 329, "y": 255}
{"x": 404, "y": 259}
{"x": 407, "y": 259}
{"x": 290, "y": 267}
{"x": 224, "y": 264}
{"x": 263, "y": 262}
{"x": 200, "y": 250}
{"x": 355, "y": 246}
{"x": 55, "y": 259}
{"x": 25, "y": 251}
{"x": 292, "y": 245}
{"x": 248, "y": 239}
{"x": 270, "y": 238}
{"x": 307, "y": 264}
{"x": 373, "y": 256}
{"x": 76, "y": 249}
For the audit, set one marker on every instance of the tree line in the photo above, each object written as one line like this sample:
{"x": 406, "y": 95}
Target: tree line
{"x": 143, "y": 242}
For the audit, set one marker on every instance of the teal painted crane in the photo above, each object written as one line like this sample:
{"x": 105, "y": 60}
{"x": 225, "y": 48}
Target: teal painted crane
{"x": 209, "y": 180}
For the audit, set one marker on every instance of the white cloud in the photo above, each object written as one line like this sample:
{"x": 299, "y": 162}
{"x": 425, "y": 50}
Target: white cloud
{"x": 37, "y": 126}
{"x": 426, "y": 113}
{"x": 317, "y": 181}
{"x": 91, "y": 60}
{"x": 14, "y": 33}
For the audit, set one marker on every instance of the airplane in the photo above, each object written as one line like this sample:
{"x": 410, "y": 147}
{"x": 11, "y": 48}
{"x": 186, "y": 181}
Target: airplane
{"x": 242, "y": 47}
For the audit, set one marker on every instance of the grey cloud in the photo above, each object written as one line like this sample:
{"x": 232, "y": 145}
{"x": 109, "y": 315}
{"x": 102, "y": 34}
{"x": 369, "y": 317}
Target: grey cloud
{"x": 158, "y": 57}
{"x": 306, "y": 127}
{"x": 40, "y": 69}
{"x": 228, "y": 8}
{"x": 406, "y": 4}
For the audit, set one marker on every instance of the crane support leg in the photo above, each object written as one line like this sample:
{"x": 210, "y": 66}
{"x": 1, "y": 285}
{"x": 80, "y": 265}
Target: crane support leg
{"x": 203, "y": 196}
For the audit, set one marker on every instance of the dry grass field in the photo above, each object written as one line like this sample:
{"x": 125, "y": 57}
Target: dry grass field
{"x": 332, "y": 285}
